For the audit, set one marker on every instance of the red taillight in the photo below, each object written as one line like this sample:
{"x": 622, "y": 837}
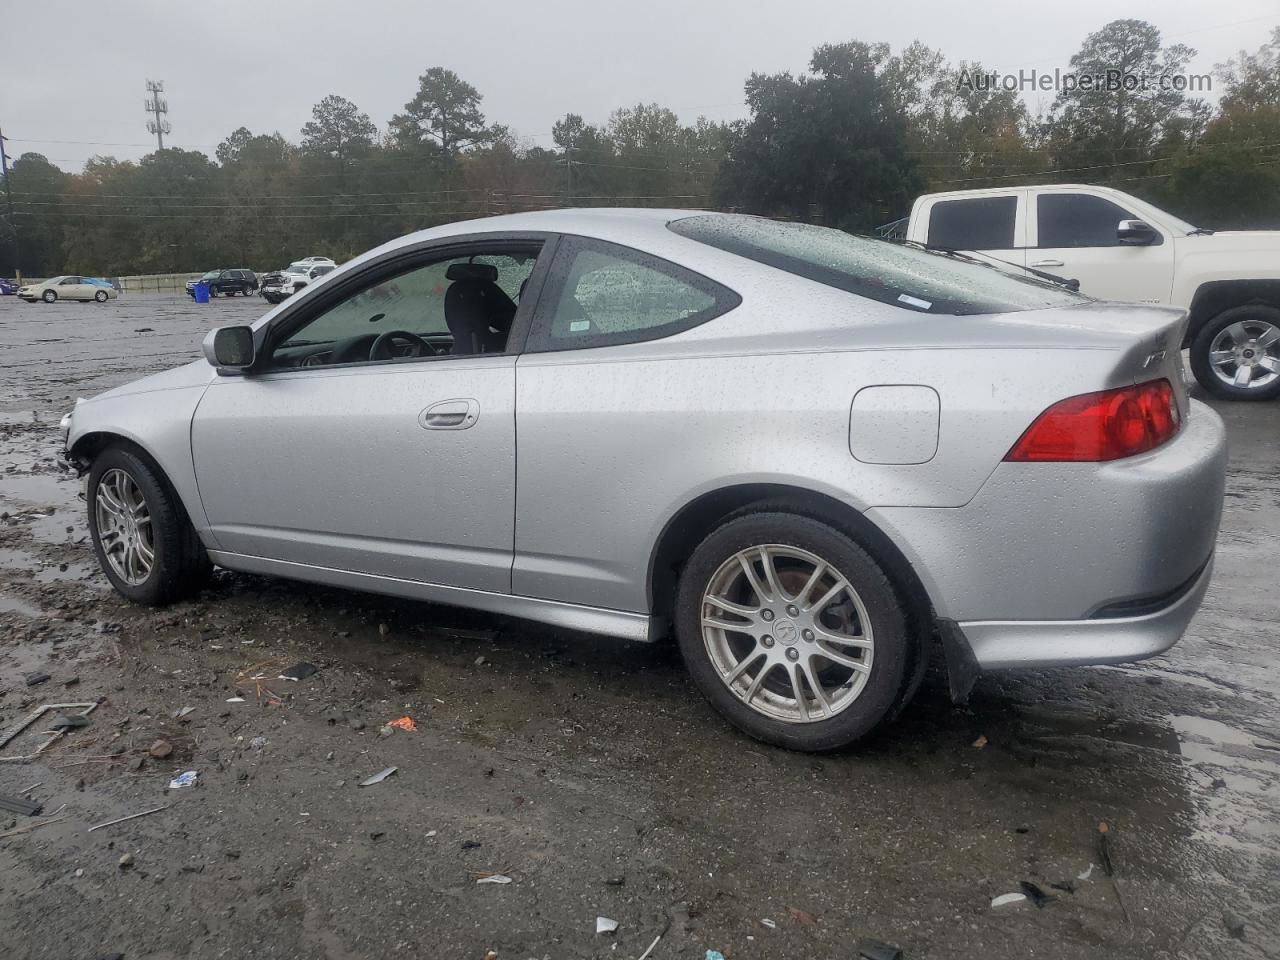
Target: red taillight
{"x": 1107, "y": 425}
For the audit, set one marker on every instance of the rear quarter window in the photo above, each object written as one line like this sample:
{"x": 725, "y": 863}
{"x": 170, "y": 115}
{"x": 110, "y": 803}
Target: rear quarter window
{"x": 979, "y": 223}
{"x": 902, "y": 275}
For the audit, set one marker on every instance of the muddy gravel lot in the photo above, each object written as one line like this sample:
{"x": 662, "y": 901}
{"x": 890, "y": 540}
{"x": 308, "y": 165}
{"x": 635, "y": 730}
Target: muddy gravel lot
{"x": 587, "y": 771}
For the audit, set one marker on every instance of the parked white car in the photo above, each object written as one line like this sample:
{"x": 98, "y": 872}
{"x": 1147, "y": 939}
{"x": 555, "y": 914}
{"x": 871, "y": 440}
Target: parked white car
{"x": 1121, "y": 248}
{"x": 69, "y": 288}
{"x": 285, "y": 283}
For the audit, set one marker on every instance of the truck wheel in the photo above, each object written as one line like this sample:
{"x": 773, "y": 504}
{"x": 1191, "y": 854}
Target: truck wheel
{"x": 1236, "y": 355}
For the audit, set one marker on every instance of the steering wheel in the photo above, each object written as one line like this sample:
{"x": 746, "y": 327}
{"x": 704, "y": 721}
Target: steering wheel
{"x": 381, "y": 348}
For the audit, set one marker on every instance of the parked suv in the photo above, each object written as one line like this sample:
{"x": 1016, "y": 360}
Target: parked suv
{"x": 229, "y": 282}
{"x": 1121, "y": 248}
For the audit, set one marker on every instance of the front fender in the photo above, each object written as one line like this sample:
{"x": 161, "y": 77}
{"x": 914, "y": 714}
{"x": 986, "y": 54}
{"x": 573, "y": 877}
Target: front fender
{"x": 158, "y": 422}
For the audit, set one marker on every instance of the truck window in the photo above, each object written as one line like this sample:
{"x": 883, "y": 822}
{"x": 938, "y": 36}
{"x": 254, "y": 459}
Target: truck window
{"x": 980, "y": 223}
{"x": 1078, "y": 220}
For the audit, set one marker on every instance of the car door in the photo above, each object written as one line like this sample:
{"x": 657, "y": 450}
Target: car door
{"x": 1075, "y": 236}
{"x": 993, "y": 225}
{"x": 74, "y": 288}
{"x": 402, "y": 466}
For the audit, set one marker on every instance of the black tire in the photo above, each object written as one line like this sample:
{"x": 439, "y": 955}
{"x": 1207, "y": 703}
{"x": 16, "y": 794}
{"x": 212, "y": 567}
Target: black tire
{"x": 181, "y": 564}
{"x": 1203, "y": 343}
{"x": 886, "y": 685}
{"x": 49, "y": 296}
{"x": 101, "y": 296}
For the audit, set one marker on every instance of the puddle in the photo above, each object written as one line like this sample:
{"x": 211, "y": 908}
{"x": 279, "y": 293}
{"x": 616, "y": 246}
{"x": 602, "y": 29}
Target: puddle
{"x": 20, "y": 607}
{"x": 38, "y": 488}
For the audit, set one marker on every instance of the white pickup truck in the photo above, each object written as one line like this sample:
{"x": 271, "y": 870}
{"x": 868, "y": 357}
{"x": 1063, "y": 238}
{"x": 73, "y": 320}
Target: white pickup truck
{"x": 1121, "y": 248}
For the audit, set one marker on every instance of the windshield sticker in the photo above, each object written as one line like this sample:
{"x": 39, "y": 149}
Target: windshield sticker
{"x": 914, "y": 301}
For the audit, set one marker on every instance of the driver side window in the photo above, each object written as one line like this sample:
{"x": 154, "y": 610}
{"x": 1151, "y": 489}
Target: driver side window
{"x": 455, "y": 306}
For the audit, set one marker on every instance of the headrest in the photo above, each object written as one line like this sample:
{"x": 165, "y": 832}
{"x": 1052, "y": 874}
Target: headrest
{"x": 472, "y": 271}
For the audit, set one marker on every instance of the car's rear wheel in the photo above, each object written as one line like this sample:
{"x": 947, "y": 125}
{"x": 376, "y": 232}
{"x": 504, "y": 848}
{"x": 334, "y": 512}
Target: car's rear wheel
{"x": 1236, "y": 355}
{"x": 792, "y": 631}
{"x": 100, "y": 296}
{"x": 141, "y": 535}
{"x": 49, "y": 296}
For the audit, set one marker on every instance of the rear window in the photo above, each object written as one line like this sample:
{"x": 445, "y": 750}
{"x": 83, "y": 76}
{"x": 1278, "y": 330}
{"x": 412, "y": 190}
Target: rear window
{"x": 904, "y": 276}
{"x": 979, "y": 223}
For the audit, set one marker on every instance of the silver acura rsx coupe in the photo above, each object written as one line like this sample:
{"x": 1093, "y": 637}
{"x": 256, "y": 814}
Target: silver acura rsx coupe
{"x": 809, "y": 455}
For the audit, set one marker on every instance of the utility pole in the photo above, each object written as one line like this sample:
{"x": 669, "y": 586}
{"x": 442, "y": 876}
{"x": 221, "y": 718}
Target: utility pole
{"x": 13, "y": 224}
{"x": 568, "y": 166}
{"x": 158, "y": 106}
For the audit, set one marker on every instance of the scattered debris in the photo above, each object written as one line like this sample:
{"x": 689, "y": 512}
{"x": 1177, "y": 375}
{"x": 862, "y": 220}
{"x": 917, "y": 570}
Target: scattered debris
{"x": 131, "y": 817}
{"x": 869, "y": 949}
{"x": 1234, "y": 924}
{"x": 1007, "y": 898}
{"x": 378, "y": 777}
{"x": 1035, "y": 894}
{"x": 481, "y": 661}
{"x": 183, "y": 780}
{"x": 470, "y": 844}
{"x": 1085, "y": 874}
{"x": 430, "y": 833}
{"x": 125, "y": 861}
{"x": 605, "y": 925}
{"x": 771, "y": 924}
{"x": 1066, "y": 886}
{"x": 257, "y": 743}
{"x": 235, "y": 699}
{"x": 802, "y": 917}
{"x": 72, "y": 721}
{"x": 494, "y": 878}
{"x": 1104, "y": 848}
{"x": 299, "y": 671}
{"x": 714, "y": 955}
{"x": 645, "y": 955}
{"x": 5, "y": 738}
{"x": 161, "y": 749}
{"x": 981, "y": 741}
{"x": 615, "y": 881}
{"x": 404, "y": 723}
{"x": 385, "y": 730}
{"x": 27, "y": 808}
{"x": 36, "y": 678}
{"x": 182, "y": 712}
{"x": 53, "y": 818}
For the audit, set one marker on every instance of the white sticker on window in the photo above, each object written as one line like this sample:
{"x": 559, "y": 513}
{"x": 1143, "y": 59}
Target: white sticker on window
{"x": 914, "y": 301}
{"x": 577, "y": 326}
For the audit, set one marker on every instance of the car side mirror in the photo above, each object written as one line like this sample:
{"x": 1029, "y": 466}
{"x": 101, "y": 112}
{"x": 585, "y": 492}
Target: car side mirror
{"x": 1136, "y": 233}
{"x": 230, "y": 348}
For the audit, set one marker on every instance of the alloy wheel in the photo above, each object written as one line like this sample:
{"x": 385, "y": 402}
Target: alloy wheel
{"x": 1246, "y": 354}
{"x": 124, "y": 526}
{"x": 787, "y": 633}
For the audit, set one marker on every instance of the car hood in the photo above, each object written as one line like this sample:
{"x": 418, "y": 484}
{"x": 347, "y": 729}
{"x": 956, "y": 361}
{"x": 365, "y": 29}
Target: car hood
{"x": 195, "y": 374}
{"x": 1233, "y": 241}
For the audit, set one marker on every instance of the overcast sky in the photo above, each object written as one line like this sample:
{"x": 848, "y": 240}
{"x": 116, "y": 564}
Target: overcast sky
{"x": 75, "y": 71}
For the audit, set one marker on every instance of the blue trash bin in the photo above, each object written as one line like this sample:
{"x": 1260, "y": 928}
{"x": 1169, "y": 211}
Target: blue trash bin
{"x": 202, "y": 292}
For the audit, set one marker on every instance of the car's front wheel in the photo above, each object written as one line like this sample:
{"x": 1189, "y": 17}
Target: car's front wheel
{"x": 792, "y": 631}
{"x": 49, "y": 296}
{"x": 1236, "y": 355}
{"x": 100, "y": 296}
{"x": 141, "y": 535}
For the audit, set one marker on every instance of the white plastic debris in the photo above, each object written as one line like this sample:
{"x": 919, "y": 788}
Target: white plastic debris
{"x": 772, "y": 925}
{"x": 378, "y": 777}
{"x": 182, "y": 712}
{"x": 183, "y": 780}
{"x": 495, "y": 878}
{"x": 1007, "y": 898}
{"x": 605, "y": 925}
{"x": 1085, "y": 874}
{"x": 235, "y": 699}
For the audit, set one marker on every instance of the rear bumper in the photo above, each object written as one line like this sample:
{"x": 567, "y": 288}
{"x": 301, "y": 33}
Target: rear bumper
{"x": 998, "y": 644}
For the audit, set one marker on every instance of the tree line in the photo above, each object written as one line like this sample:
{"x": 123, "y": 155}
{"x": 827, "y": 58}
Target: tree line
{"x": 849, "y": 143}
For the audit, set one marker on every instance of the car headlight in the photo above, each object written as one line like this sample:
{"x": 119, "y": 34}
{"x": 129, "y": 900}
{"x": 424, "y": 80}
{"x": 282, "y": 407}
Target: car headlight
{"x": 64, "y": 427}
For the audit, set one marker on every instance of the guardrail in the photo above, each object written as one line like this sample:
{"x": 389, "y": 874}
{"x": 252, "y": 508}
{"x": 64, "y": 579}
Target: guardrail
{"x": 155, "y": 282}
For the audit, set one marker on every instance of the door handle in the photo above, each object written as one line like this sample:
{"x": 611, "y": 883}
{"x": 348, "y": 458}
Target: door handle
{"x": 1047, "y": 263}
{"x": 450, "y": 415}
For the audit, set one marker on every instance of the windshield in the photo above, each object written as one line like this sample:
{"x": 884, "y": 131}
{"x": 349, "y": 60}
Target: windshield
{"x": 211, "y": 275}
{"x": 906, "y": 277}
